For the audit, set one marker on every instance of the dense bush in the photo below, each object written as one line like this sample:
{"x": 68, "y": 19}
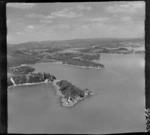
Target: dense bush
{"x": 53, "y": 78}
{"x": 46, "y": 76}
{"x": 91, "y": 57}
{"x": 69, "y": 90}
{"x": 64, "y": 56}
{"x": 35, "y": 77}
{"x": 49, "y": 77}
{"x": 21, "y": 70}
{"x": 30, "y": 78}
{"x": 79, "y": 62}
{"x": 17, "y": 61}
{"x": 19, "y": 79}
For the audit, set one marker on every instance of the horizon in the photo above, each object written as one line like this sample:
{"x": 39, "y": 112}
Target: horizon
{"x": 142, "y": 38}
{"x": 27, "y": 22}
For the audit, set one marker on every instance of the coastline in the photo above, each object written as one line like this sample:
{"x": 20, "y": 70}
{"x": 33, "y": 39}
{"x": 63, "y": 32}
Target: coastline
{"x": 84, "y": 66}
{"x": 26, "y": 84}
{"x": 60, "y": 63}
{"x": 65, "y": 102}
{"x": 19, "y": 66}
{"x": 69, "y": 102}
{"x": 61, "y": 96}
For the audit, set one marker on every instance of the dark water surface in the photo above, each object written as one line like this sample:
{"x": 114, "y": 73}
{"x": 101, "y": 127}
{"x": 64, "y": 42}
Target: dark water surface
{"x": 117, "y": 107}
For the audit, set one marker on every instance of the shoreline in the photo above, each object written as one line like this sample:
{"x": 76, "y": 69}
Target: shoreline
{"x": 22, "y": 65}
{"x": 84, "y": 67}
{"x": 69, "y": 102}
{"x": 65, "y": 102}
{"x": 60, "y": 63}
{"x": 29, "y": 84}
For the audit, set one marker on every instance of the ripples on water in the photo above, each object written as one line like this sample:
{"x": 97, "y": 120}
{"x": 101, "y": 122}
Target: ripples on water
{"x": 118, "y": 106}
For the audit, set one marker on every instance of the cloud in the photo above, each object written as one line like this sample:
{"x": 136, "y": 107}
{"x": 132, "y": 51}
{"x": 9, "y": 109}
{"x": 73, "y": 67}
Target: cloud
{"x": 82, "y": 7}
{"x": 113, "y": 30}
{"x": 127, "y": 7}
{"x": 63, "y": 26}
{"x": 32, "y": 15}
{"x": 21, "y": 5}
{"x": 20, "y": 20}
{"x": 46, "y": 21}
{"x": 30, "y": 27}
{"x": 140, "y": 27}
{"x": 95, "y": 26}
{"x": 39, "y": 16}
{"x": 137, "y": 5}
{"x": 43, "y": 18}
{"x": 34, "y": 28}
{"x": 94, "y": 23}
{"x": 100, "y": 19}
{"x": 66, "y": 13}
{"x": 126, "y": 19}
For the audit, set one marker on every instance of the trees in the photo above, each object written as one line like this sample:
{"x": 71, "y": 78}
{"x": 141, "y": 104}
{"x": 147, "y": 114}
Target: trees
{"x": 19, "y": 79}
{"x": 21, "y": 70}
{"x": 69, "y": 90}
{"x": 35, "y": 77}
{"x": 49, "y": 77}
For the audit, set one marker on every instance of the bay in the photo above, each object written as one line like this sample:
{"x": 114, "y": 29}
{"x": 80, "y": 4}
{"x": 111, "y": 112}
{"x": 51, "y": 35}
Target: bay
{"x": 118, "y": 106}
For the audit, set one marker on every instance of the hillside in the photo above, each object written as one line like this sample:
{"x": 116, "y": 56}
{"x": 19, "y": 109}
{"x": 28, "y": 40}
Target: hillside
{"x": 49, "y": 51}
{"x": 104, "y": 42}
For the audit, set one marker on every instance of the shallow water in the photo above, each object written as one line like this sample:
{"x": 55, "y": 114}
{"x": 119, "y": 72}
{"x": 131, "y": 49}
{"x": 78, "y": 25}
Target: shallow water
{"x": 118, "y": 106}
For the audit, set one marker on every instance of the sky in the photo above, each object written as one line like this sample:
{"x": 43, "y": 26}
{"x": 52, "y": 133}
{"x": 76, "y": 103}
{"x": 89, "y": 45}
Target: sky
{"x": 62, "y": 21}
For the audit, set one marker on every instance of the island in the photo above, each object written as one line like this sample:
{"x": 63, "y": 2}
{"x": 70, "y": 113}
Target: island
{"x": 68, "y": 94}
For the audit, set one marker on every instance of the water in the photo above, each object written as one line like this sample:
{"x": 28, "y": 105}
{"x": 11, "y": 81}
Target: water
{"x": 118, "y": 106}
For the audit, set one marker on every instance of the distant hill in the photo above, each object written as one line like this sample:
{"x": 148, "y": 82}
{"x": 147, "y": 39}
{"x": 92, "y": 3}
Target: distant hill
{"x": 32, "y": 52}
{"x": 16, "y": 57}
{"x": 107, "y": 42}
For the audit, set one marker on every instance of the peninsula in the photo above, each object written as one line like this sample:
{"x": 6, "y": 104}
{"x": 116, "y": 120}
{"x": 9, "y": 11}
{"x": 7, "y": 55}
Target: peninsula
{"x": 78, "y": 59}
{"x": 68, "y": 94}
